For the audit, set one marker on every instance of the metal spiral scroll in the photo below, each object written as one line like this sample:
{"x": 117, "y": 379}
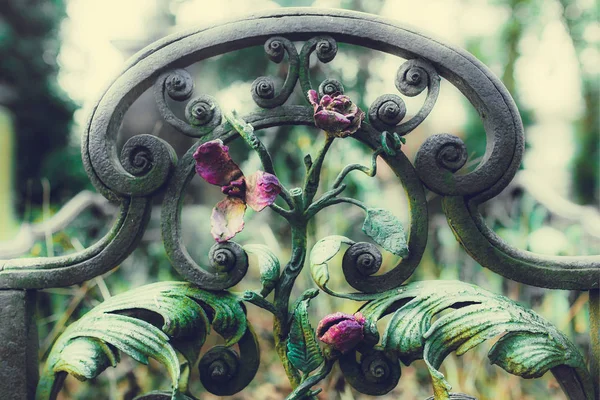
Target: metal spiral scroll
{"x": 388, "y": 110}
{"x": 360, "y": 261}
{"x": 325, "y": 47}
{"x": 377, "y": 372}
{"x": 330, "y": 87}
{"x": 263, "y": 88}
{"x": 228, "y": 260}
{"x": 223, "y": 372}
{"x": 202, "y": 112}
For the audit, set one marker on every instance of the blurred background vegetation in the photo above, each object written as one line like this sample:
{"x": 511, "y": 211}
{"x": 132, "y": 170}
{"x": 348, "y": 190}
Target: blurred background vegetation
{"x": 56, "y": 56}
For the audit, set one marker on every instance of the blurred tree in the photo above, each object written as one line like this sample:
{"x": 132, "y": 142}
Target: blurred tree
{"x": 586, "y": 163}
{"x": 521, "y": 13}
{"x": 29, "y": 45}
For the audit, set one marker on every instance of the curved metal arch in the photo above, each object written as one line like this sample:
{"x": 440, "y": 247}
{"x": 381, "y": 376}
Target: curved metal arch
{"x": 71, "y": 269}
{"x": 487, "y": 248}
{"x": 487, "y": 94}
{"x": 148, "y": 164}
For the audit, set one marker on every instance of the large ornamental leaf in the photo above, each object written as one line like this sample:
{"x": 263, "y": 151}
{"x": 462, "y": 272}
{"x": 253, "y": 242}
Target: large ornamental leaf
{"x": 323, "y": 251}
{"x": 303, "y": 350}
{"x": 529, "y": 348}
{"x": 268, "y": 264}
{"x": 128, "y": 323}
{"x": 386, "y": 230}
{"x": 87, "y": 358}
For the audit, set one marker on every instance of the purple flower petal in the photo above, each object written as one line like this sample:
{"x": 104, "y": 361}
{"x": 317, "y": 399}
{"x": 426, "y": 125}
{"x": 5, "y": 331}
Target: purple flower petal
{"x": 262, "y": 189}
{"x": 235, "y": 188}
{"x": 214, "y": 165}
{"x": 227, "y": 218}
{"x": 341, "y": 331}
{"x": 313, "y": 97}
{"x": 338, "y": 103}
{"x": 354, "y": 125}
{"x": 329, "y": 320}
{"x": 331, "y": 121}
{"x": 325, "y": 101}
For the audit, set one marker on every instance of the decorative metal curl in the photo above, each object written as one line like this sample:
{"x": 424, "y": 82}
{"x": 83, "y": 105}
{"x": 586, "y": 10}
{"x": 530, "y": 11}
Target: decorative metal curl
{"x": 178, "y": 84}
{"x": 225, "y": 257}
{"x": 217, "y": 367}
{"x": 376, "y": 374}
{"x": 223, "y": 372}
{"x": 440, "y": 156}
{"x": 150, "y": 159}
{"x": 446, "y": 151}
{"x": 325, "y": 48}
{"x": 361, "y": 260}
{"x": 263, "y": 88}
{"x": 228, "y": 259}
{"x": 387, "y": 111}
{"x": 414, "y": 76}
{"x": 135, "y": 157}
{"x": 411, "y": 79}
{"x": 330, "y": 87}
{"x": 202, "y": 113}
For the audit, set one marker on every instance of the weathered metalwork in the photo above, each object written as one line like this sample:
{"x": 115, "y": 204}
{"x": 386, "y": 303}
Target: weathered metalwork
{"x": 156, "y": 320}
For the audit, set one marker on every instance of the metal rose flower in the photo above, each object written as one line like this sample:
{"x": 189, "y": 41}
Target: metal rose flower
{"x": 341, "y": 331}
{"x": 337, "y": 114}
{"x": 258, "y": 190}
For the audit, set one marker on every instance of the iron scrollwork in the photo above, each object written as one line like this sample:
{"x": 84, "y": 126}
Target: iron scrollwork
{"x": 164, "y": 318}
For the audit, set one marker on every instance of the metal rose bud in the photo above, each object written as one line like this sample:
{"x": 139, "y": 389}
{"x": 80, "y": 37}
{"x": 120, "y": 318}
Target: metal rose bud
{"x": 341, "y": 331}
{"x": 337, "y": 114}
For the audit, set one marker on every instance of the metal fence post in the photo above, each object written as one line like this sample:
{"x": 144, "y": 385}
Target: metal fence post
{"x": 18, "y": 345}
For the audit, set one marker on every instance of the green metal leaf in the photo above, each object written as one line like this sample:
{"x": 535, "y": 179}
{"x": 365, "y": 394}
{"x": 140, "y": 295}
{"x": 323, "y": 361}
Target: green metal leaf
{"x": 229, "y": 320}
{"x": 303, "y": 350}
{"x": 530, "y": 356}
{"x": 90, "y": 337}
{"x": 323, "y": 251}
{"x": 127, "y": 323}
{"x": 182, "y": 315}
{"x": 86, "y": 357}
{"x": 135, "y": 337}
{"x": 472, "y": 315}
{"x": 386, "y": 230}
{"x": 268, "y": 265}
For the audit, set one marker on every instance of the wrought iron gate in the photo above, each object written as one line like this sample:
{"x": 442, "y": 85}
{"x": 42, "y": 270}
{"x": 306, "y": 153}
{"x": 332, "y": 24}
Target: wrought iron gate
{"x": 369, "y": 360}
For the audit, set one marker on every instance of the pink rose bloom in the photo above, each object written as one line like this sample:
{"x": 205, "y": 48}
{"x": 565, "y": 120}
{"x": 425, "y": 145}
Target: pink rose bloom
{"x": 258, "y": 190}
{"x": 341, "y": 331}
{"x": 337, "y": 115}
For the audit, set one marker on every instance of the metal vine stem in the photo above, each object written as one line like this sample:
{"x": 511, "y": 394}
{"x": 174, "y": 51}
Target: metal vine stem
{"x": 146, "y": 165}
